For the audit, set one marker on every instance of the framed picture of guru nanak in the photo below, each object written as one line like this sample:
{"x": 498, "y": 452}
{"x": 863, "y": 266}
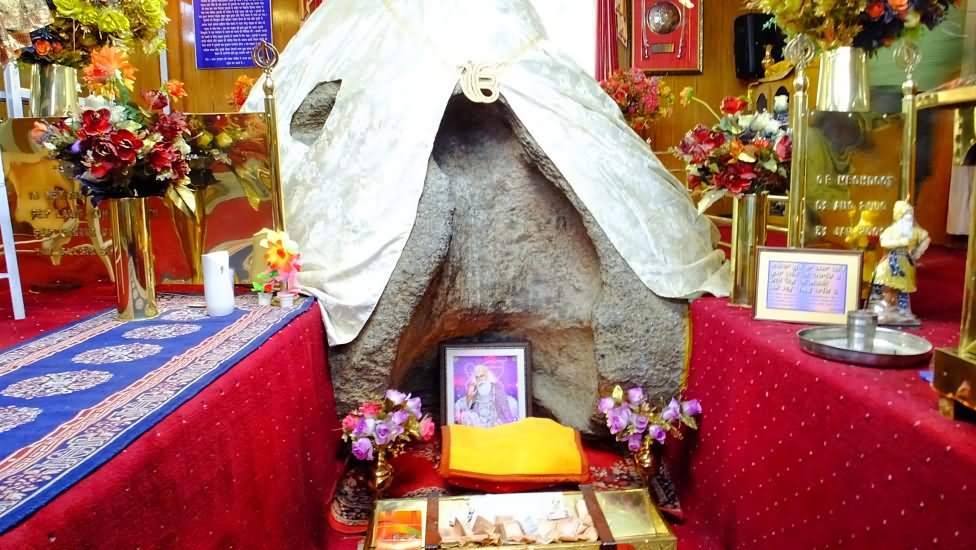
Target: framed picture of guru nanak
{"x": 485, "y": 384}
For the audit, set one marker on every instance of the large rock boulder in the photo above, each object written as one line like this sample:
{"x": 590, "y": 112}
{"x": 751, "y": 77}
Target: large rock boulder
{"x": 501, "y": 250}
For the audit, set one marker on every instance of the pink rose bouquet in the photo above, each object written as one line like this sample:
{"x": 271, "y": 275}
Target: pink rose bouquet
{"x": 386, "y": 425}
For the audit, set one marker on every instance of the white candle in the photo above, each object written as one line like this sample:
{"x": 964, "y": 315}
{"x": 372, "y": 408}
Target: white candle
{"x": 218, "y": 284}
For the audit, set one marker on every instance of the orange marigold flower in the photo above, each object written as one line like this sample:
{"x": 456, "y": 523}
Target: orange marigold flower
{"x": 175, "y": 88}
{"x": 242, "y": 87}
{"x": 108, "y": 64}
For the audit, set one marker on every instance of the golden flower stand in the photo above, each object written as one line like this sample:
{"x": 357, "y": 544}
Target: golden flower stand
{"x": 954, "y": 369}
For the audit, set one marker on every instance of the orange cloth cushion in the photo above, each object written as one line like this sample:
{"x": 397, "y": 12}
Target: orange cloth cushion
{"x": 536, "y": 451}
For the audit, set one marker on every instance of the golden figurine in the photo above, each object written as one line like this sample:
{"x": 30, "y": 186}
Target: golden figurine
{"x": 894, "y": 276}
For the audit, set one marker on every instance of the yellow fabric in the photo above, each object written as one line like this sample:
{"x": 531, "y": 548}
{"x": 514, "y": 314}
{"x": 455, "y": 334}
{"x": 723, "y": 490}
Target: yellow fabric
{"x": 530, "y": 449}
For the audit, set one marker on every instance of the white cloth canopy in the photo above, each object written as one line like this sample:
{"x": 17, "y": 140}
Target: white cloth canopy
{"x": 351, "y": 196}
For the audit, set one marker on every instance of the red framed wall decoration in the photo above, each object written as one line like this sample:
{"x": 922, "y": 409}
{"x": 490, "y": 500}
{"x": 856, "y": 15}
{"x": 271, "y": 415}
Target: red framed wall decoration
{"x": 667, "y": 36}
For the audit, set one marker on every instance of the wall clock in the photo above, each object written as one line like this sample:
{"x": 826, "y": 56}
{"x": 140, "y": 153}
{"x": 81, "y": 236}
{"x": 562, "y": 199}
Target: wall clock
{"x": 667, "y": 36}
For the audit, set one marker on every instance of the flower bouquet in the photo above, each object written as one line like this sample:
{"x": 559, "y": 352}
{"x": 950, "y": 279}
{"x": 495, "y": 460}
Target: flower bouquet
{"x": 633, "y": 420}
{"x": 740, "y": 153}
{"x": 82, "y": 26}
{"x": 380, "y": 428}
{"x": 866, "y": 24}
{"x": 284, "y": 261}
{"x": 641, "y": 98}
{"x": 117, "y": 148}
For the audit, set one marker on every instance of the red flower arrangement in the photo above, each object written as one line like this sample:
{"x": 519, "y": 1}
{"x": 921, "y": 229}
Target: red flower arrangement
{"x": 642, "y": 99}
{"x": 117, "y": 149}
{"x": 741, "y": 153}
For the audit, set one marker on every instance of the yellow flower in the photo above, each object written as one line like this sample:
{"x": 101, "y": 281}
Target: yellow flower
{"x": 279, "y": 250}
{"x": 88, "y": 15}
{"x": 113, "y": 21}
{"x": 68, "y": 8}
{"x": 154, "y": 12}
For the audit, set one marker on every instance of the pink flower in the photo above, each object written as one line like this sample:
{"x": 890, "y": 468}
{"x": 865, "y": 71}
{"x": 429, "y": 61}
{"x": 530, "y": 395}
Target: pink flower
{"x": 370, "y": 410}
{"x": 362, "y": 449}
{"x": 635, "y": 395}
{"x": 658, "y": 433}
{"x": 784, "y": 148}
{"x": 691, "y": 407}
{"x": 634, "y": 442}
{"x": 427, "y": 429}
{"x": 396, "y": 397}
{"x": 349, "y": 423}
{"x": 605, "y": 405}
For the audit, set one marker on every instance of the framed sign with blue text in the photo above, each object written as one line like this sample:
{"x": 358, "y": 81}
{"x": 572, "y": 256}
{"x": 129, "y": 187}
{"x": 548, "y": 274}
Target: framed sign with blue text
{"x": 815, "y": 286}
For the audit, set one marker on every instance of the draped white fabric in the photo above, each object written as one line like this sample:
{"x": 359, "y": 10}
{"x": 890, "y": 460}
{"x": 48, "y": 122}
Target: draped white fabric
{"x": 351, "y": 197}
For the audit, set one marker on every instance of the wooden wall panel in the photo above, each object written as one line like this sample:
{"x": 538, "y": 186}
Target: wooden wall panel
{"x": 716, "y": 81}
{"x": 208, "y": 89}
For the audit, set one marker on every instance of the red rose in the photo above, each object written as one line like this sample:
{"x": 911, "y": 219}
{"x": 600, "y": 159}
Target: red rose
{"x": 736, "y": 177}
{"x": 103, "y": 149}
{"x": 161, "y": 157}
{"x": 732, "y": 105}
{"x": 156, "y": 100}
{"x": 96, "y": 123}
{"x": 101, "y": 169}
{"x": 876, "y": 10}
{"x": 42, "y": 47}
{"x": 172, "y": 125}
{"x": 127, "y": 144}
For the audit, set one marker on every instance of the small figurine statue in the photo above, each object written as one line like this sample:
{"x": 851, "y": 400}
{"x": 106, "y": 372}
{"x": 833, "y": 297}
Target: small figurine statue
{"x": 894, "y": 276}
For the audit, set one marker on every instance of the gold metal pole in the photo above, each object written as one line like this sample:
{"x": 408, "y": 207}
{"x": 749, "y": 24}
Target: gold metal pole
{"x": 265, "y": 56}
{"x": 800, "y": 51}
{"x": 907, "y": 56}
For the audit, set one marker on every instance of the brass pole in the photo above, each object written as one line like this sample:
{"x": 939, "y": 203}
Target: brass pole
{"x": 907, "y": 57}
{"x": 800, "y": 51}
{"x": 265, "y": 56}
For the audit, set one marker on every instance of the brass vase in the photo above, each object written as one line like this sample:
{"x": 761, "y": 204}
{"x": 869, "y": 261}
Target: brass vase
{"x": 644, "y": 461}
{"x": 135, "y": 280}
{"x": 749, "y": 211}
{"x": 843, "y": 82}
{"x": 382, "y": 474}
{"x": 54, "y": 91}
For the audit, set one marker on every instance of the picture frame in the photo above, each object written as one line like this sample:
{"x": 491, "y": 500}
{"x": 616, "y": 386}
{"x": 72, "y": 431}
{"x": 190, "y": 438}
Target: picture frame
{"x": 485, "y": 384}
{"x": 667, "y": 36}
{"x": 807, "y": 285}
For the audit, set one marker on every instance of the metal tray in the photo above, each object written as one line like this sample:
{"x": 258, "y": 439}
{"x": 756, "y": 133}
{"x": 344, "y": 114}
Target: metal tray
{"x": 892, "y": 348}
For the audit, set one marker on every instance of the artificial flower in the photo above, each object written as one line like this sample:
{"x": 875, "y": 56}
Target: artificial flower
{"x": 112, "y": 21}
{"x": 413, "y": 406}
{"x": 732, "y": 105}
{"x": 108, "y": 65}
{"x": 175, "y": 88}
{"x": 640, "y": 423}
{"x": 617, "y": 419}
{"x": 673, "y": 411}
{"x": 686, "y": 96}
{"x": 349, "y": 423}
{"x": 605, "y": 405}
{"x": 386, "y": 425}
{"x": 242, "y": 87}
{"x": 427, "y": 428}
{"x": 127, "y": 145}
{"x": 658, "y": 433}
{"x": 691, "y": 407}
{"x": 279, "y": 250}
{"x": 362, "y": 449}
{"x": 161, "y": 157}
{"x": 635, "y": 442}
{"x": 156, "y": 100}
{"x": 370, "y": 410}
{"x": 635, "y": 395}
{"x": 172, "y": 125}
{"x": 641, "y": 99}
{"x": 95, "y": 123}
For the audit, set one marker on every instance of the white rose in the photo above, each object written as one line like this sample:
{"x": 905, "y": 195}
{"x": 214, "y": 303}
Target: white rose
{"x": 772, "y": 126}
{"x": 781, "y": 103}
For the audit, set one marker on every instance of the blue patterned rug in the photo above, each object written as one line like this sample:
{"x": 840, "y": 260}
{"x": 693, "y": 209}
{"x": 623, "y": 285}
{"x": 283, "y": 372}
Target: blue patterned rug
{"x": 72, "y": 399}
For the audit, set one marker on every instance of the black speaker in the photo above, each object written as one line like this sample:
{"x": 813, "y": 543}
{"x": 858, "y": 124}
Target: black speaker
{"x": 752, "y": 32}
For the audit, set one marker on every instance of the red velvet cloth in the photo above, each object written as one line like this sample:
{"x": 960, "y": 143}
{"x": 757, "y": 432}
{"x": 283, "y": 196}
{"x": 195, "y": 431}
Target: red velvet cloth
{"x": 800, "y": 452}
{"x": 250, "y": 462}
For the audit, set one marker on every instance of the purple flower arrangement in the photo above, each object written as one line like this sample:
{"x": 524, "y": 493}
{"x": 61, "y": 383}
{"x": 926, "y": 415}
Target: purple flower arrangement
{"x": 388, "y": 424}
{"x": 633, "y": 420}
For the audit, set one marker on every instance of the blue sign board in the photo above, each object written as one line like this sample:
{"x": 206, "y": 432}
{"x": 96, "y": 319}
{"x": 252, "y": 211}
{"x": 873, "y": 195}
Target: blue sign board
{"x": 227, "y": 30}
